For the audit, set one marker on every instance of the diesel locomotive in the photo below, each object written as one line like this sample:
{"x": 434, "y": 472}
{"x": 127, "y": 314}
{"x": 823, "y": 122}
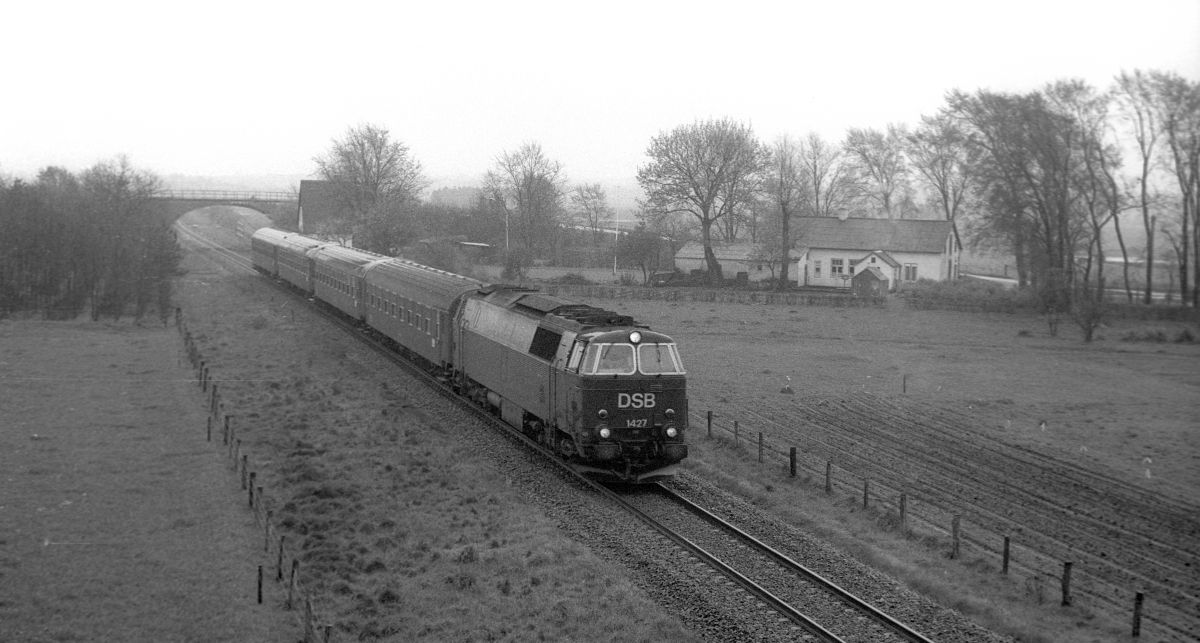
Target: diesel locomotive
{"x": 603, "y": 391}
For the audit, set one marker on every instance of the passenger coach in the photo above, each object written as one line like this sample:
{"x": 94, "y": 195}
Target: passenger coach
{"x": 414, "y": 306}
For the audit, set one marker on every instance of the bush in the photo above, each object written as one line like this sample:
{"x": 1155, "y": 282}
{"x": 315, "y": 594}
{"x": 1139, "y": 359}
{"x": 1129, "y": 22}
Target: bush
{"x": 970, "y": 294}
{"x": 573, "y": 279}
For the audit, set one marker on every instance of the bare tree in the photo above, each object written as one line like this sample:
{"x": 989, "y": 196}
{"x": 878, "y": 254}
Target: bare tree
{"x": 878, "y": 159}
{"x": 377, "y": 183}
{"x": 938, "y": 151}
{"x": 786, "y": 192}
{"x": 1178, "y": 105}
{"x": 1138, "y": 100}
{"x": 529, "y": 186}
{"x": 590, "y": 204}
{"x": 825, "y": 177}
{"x": 1029, "y": 154}
{"x": 709, "y": 170}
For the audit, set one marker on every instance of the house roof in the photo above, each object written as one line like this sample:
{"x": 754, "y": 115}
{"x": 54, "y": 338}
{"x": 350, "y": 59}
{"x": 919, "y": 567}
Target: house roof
{"x": 748, "y": 252}
{"x": 872, "y": 271}
{"x": 888, "y": 235}
{"x": 887, "y": 258}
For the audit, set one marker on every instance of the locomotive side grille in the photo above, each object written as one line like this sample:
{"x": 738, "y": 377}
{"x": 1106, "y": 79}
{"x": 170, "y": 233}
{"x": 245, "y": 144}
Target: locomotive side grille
{"x": 656, "y": 387}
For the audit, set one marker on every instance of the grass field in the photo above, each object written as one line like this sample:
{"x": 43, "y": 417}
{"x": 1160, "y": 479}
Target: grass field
{"x": 117, "y": 520}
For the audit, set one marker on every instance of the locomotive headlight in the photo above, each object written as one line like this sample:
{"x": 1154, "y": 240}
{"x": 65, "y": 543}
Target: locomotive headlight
{"x": 672, "y": 432}
{"x": 670, "y": 413}
{"x": 606, "y": 433}
{"x": 635, "y": 337}
{"x": 602, "y": 414}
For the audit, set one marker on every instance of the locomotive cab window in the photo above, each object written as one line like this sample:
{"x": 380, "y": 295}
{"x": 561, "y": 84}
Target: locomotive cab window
{"x": 576, "y": 356}
{"x": 659, "y": 359}
{"x": 609, "y": 359}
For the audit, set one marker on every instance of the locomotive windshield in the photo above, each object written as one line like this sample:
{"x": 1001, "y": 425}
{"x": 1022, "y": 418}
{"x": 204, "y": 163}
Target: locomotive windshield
{"x": 659, "y": 359}
{"x": 621, "y": 359}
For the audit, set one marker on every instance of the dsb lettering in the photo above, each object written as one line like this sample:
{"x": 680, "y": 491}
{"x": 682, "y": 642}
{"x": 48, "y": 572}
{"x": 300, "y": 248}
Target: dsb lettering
{"x": 635, "y": 400}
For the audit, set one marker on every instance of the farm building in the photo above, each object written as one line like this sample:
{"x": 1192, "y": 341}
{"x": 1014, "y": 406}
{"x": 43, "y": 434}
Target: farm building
{"x": 903, "y": 250}
{"x": 870, "y": 282}
{"x": 829, "y": 251}
{"x": 745, "y": 261}
{"x": 318, "y": 205}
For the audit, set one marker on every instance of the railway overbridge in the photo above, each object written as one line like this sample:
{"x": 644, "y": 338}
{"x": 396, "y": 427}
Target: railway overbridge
{"x": 279, "y": 206}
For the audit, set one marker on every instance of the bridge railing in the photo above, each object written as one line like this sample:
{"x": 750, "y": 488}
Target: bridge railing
{"x": 224, "y": 195}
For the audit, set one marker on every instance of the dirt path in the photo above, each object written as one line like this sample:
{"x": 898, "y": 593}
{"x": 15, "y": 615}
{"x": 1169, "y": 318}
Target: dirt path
{"x": 118, "y": 521}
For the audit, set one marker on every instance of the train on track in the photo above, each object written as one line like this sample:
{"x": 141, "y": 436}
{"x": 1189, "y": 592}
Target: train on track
{"x": 602, "y": 391}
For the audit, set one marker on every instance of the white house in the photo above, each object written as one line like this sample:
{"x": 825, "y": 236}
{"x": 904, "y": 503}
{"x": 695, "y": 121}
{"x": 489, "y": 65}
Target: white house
{"x": 832, "y": 250}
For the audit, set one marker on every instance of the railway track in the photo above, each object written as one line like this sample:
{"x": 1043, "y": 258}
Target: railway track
{"x": 1053, "y": 531}
{"x": 831, "y": 612}
{"x": 773, "y": 579}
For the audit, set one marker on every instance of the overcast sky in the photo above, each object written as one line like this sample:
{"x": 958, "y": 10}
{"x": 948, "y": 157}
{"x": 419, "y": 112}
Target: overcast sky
{"x": 216, "y": 88}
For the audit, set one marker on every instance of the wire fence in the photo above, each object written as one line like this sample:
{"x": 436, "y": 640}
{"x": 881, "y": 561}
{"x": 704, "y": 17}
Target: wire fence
{"x": 956, "y": 530}
{"x": 281, "y": 567}
{"x": 715, "y": 295}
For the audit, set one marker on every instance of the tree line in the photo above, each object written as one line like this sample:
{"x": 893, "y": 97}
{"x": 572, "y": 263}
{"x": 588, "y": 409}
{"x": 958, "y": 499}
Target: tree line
{"x": 94, "y": 242}
{"x": 1045, "y": 176}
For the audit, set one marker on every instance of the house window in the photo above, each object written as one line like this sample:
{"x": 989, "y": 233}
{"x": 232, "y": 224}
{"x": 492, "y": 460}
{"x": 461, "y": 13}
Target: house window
{"x": 910, "y": 272}
{"x": 836, "y": 267}
{"x": 817, "y": 268}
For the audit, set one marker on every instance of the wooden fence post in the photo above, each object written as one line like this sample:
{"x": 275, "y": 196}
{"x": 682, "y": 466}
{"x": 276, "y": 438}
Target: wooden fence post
{"x": 260, "y": 584}
{"x": 208, "y": 430}
{"x": 1138, "y": 599}
{"x": 1004, "y": 562}
{"x": 904, "y": 512}
{"x": 710, "y": 424}
{"x": 1066, "y": 584}
{"x": 829, "y": 476}
{"x": 292, "y": 583}
{"x": 866, "y": 491}
{"x": 225, "y": 436}
{"x": 760, "y": 447}
{"x": 736, "y": 439}
{"x": 250, "y": 496}
{"x": 792, "y": 461}
{"x": 279, "y": 560}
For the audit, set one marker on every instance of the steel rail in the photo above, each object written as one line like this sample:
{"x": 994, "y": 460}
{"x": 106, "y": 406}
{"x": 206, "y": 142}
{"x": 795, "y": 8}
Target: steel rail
{"x": 861, "y": 605}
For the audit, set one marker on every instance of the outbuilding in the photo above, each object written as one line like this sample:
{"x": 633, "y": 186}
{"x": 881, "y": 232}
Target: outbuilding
{"x": 869, "y": 282}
